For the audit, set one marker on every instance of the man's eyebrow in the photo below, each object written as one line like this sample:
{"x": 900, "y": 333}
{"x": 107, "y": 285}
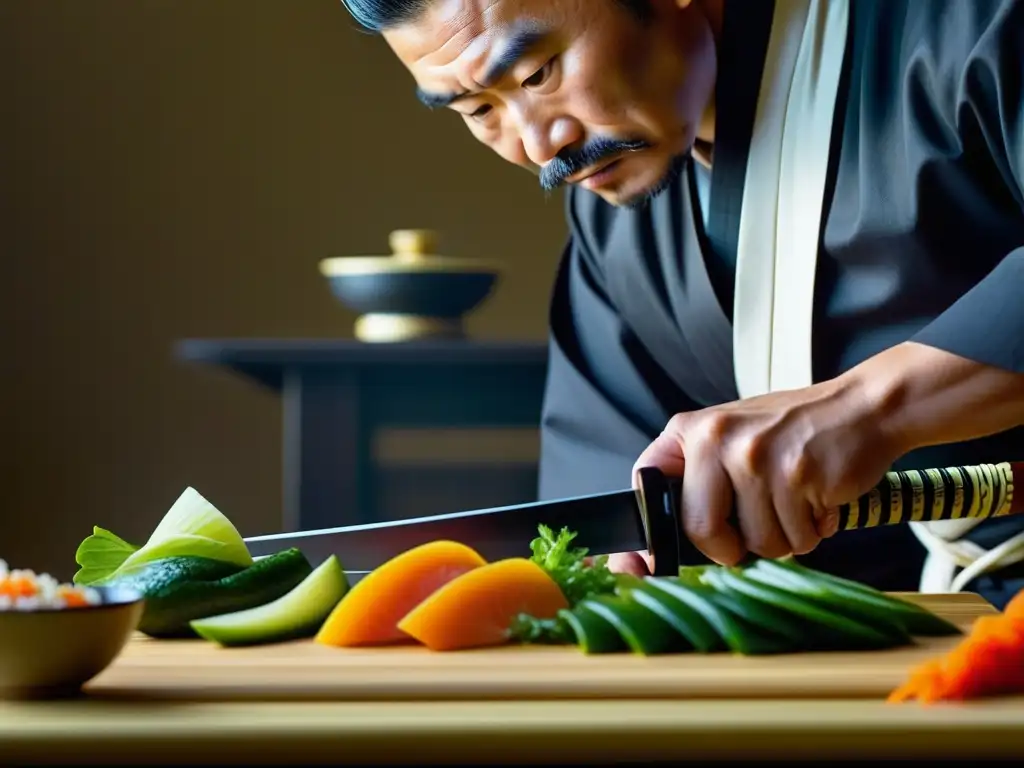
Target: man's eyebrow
{"x": 435, "y": 100}
{"x": 520, "y": 43}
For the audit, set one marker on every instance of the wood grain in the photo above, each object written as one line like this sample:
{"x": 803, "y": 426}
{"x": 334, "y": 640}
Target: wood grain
{"x": 194, "y": 670}
{"x": 502, "y": 733}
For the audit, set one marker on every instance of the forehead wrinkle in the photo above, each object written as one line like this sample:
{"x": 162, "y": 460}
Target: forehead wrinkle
{"x": 465, "y": 21}
{"x": 471, "y": 30}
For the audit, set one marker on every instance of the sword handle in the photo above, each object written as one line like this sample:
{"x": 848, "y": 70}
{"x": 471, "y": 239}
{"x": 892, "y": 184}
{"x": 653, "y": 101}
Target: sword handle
{"x": 978, "y": 491}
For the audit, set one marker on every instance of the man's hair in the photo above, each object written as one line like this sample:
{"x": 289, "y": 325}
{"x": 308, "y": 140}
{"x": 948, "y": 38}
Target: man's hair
{"x": 378, "y": 15}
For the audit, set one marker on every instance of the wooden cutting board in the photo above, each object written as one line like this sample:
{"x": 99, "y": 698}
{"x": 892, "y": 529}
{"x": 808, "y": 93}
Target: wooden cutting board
{"x": 195, "y": 670}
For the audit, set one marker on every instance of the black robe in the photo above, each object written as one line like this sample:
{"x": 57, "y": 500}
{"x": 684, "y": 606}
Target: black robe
{"x": 922, "y": 238}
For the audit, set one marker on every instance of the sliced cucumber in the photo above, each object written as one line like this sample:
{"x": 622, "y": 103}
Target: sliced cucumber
{"x": 680, "y": 616}
{"x": 795, "y": 629}
{"x": 299, "y": 613}
{"x": 643, "y": 631}
{"x": 594, "y": 633}
{"x": 826, "y": 629}
{"x": 740, "y": 635}
{"x": 851, "y": 598}
{"x": 771, "y": 631}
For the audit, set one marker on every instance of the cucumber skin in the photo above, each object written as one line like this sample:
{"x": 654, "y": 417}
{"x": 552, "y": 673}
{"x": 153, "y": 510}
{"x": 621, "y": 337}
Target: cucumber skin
{"x": 752, "y": 639}
{"x": 860, "y": 601}
{"x": 594, "y": 634}
{"x": 816, "y": 593}
{"x": 738, "y": 635}
{"x": 828, "y": 629}
{"x": 682, "y": 623}
{"x": 916, "y": 619}
{"x": 788, "y": 627}
{"x": 333, "y": 585}
{"x": 159, "y": 577}
{"x": 787, "y": 608}
{"x": 177, "y": 595}
{"x": 690, "y": 624}
{"x": 642, "y": 630}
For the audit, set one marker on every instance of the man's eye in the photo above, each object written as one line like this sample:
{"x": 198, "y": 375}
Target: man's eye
{"x": 480, "y": 111}
{"x": 538, "y": 77}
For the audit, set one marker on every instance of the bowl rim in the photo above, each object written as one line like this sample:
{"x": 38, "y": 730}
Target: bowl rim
{"x": 345, "y": 266}
{"x": 114, "y": 598}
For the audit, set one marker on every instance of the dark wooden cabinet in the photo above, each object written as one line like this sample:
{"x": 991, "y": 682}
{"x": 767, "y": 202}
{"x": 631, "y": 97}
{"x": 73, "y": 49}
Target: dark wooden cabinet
{"x": 338, "y": 396}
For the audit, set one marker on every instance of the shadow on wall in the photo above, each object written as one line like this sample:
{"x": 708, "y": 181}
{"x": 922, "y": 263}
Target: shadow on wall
{"x": 176, "y": 170}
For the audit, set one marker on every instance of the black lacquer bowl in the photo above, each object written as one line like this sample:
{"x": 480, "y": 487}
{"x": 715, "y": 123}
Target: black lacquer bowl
{"x": 411, "y": 294}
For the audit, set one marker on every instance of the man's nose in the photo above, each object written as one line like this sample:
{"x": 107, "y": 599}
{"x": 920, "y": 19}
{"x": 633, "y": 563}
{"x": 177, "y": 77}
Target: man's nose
{"x": 544, "y": 139}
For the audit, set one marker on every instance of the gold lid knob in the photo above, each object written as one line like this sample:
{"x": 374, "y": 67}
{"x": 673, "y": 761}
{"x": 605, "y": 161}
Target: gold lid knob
{"x": 413, "y": 244}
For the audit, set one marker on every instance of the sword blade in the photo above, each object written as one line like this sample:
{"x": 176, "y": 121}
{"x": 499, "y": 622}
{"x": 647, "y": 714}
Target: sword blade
{"x": 604, "y": 523}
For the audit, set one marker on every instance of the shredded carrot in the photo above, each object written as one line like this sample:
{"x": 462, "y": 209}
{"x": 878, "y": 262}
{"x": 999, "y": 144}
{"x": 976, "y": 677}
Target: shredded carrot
{"x": 17, "y": 586}
{"x": 73, "y": 598}
{"x": 921, "y": 677}
{"x": 1015, "y": 608}
{"x": 988, "y": 661}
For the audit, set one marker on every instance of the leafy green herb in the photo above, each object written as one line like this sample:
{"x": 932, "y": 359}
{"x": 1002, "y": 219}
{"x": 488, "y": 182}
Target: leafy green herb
{"x": 566, "y": 565}
{"x": 577, "y": 579}
{"x": 527, "y": 629}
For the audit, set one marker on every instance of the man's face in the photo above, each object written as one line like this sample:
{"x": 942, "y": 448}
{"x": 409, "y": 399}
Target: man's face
{"x": 577, "y": 91}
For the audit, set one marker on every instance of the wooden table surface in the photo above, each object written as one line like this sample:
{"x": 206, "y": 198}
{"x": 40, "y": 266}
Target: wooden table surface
{"x": 501, "y": 732}
{"x": 192, "y": 702}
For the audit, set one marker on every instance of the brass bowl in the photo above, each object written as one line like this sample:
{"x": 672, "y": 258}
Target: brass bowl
{"x": 51, "y": 653}
{"x": 413, "y": 293}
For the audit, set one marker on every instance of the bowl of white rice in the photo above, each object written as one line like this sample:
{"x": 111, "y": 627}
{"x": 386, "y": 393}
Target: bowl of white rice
{"x": 54, "y": 637}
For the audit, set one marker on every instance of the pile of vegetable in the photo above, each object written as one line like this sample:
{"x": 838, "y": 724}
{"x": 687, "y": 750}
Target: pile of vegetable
{"x": 988, "y": 661}
{"x": 199, "y": 579}
{"x": 767, "y": 607}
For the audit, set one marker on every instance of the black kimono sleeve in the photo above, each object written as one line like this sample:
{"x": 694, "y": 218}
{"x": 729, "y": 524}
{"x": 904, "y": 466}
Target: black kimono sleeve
{"x": 986, "y": 324}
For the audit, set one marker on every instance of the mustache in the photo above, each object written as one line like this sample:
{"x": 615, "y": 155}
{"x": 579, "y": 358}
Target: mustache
{"x": 569, "y": 162}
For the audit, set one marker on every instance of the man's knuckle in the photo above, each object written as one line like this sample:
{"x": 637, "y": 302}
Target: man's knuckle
{"x": 752, "y": 453}
{"x": 701, "y": 528}
{"x": 677, "y": 425}
{"x": 717, "y": 425}
{"x": 798, "y": 469}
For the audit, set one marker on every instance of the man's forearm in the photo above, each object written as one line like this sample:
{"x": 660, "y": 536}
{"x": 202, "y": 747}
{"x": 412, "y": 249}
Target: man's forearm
{"x": 927, "y": 396}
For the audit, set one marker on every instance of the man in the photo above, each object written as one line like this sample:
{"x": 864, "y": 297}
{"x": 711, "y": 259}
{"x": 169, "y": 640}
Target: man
{"x": 796, "y": 256}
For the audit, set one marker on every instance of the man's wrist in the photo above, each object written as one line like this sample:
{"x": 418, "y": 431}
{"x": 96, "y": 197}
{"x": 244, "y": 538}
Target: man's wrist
{"x": 918, "y": 396}
{"x": 879, "y": 393}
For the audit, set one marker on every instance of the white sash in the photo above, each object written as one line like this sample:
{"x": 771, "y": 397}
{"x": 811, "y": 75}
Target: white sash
{"x": 783, "y": 196}
{"x": 778, "y": 243}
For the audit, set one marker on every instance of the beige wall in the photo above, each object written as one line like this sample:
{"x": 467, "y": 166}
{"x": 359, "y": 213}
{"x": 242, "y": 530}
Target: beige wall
{"x": 176, "y": 168}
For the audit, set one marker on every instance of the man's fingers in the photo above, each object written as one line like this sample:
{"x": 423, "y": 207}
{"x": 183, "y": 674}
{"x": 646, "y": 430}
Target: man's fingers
{"x": 633, "y": 563}
{"x": 759, "y": 525}
{"x": 796, "y": 516}
{"x": 665, "y": 453}
{"x": 707, "y": 509}
{"x": 826, "y": 522}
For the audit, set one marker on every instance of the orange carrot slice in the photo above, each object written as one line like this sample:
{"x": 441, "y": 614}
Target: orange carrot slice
{"x": 478, "y": 608}
{"x": 369, "y": 613}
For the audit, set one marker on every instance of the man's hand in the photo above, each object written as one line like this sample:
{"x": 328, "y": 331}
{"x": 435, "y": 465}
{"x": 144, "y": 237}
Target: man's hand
{"x": 785, "y": 461}
{"x": 766, "y": 475}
